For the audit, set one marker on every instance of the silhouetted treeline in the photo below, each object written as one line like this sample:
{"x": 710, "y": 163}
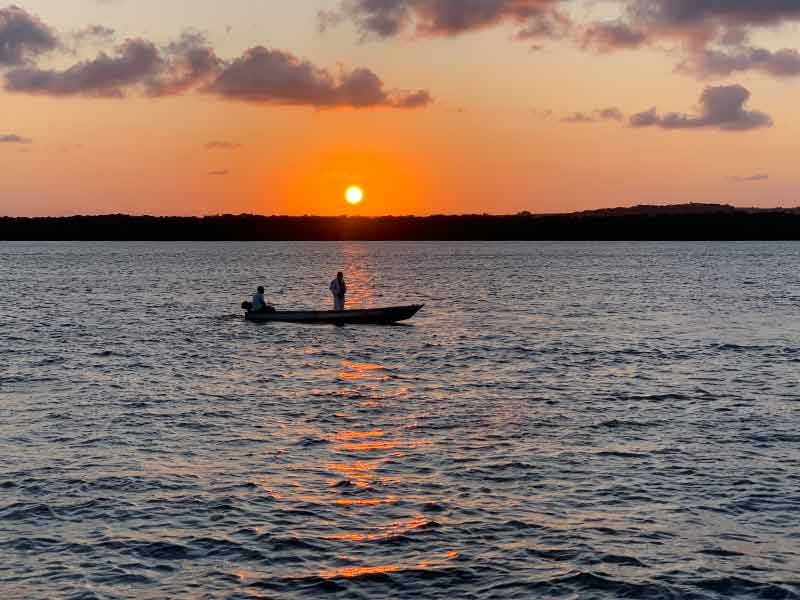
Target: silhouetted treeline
{"x": 686, "y": 222}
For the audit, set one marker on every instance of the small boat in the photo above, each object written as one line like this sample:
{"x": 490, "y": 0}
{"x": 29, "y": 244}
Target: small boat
{"x": 366, "y": 316}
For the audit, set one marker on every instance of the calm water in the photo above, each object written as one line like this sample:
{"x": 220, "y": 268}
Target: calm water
{"x": 561, "y": 421}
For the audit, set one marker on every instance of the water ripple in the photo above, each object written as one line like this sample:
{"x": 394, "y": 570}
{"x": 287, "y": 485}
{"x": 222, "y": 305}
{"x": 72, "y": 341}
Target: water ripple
{"x": 561, "y": 421}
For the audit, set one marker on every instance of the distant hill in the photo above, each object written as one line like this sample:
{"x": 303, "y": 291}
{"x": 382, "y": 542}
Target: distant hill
{"x": 681, "y": 209}
{"x": 676, "y": 222}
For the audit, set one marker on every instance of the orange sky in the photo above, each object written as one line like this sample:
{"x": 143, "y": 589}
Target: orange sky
{"x": 496, "y": 136}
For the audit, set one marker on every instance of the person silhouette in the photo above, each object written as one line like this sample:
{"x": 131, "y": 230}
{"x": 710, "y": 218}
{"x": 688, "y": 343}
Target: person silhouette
{"x": 339, "y": 291}
{"x": 259, "y": 303}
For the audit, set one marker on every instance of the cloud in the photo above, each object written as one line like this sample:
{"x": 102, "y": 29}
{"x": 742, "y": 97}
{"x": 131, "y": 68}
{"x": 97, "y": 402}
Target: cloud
{"x": 135, "y": 61}
{"x": 389, "y": 18}
{"x": 610, "y": 114}
{"x": 94, "y": 33}
{"x": 547, "y": 24}
{"x": 702, "y": 22}
{"x": 714, "y": 34}
{"x": 613, "y": 35}
{"x": 222, "y": 145}
{"x": 14, "y": 139}
{"x": 23, "y": 37}
{"x": 601, "y": 114}
{"x": 721, "y": 108}
{"x": 418, "y": 99}
{"x": 708, "y": 63}
{"x": 645, "y": 118}
{"x": 267, "y": 76}
{"x": 705, "y": 13}
{"x": 578, "y": 117}
{"x": 218, "y": 173}
{"x": 757, "y": 177}
{"x": 182, "y": 66}
{"x": 189, "y": 64}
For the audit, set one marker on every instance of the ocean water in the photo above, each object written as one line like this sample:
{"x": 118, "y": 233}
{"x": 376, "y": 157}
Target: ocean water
{"x": 562, "y": 420}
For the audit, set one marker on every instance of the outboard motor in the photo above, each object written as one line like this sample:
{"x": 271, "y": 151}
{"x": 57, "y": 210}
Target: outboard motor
{"x": 248, "y": 306}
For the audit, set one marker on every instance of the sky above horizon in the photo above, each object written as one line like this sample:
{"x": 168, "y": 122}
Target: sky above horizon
{"x": 194, "y": 107}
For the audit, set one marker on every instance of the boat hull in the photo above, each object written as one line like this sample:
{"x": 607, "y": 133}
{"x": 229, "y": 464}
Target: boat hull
{"x": 368, "y": 316}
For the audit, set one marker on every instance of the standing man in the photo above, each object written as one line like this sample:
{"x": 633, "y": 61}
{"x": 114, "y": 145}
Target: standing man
{"x": 339, "y": 291}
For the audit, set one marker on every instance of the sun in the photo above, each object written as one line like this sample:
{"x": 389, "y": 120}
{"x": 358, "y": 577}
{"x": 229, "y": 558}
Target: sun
{"x": 354, "y": 194}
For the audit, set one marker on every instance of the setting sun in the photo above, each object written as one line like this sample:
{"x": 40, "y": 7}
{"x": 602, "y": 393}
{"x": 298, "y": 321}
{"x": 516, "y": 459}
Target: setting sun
{"x": 354, "y": 195}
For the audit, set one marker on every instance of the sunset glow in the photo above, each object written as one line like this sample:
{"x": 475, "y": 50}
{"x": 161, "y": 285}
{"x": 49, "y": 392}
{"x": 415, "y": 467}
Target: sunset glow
{"x": 276, "y": 108}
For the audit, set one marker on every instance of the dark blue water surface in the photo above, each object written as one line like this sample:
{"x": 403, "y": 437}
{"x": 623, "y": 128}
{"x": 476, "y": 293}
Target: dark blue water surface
{"x": 561, "y": 421}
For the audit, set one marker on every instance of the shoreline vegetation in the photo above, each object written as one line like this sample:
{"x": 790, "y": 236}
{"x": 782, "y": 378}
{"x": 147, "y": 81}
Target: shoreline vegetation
{"x": 677, "y": 222}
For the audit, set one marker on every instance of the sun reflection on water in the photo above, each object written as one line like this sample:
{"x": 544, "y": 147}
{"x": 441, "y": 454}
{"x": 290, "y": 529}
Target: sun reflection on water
{"x": 361, "y": 469}
{"x": 351, "y": 572}
{"x": 359, "y": 276}
{"x": 365, "y": 501}
{"x": 357, "y": 435}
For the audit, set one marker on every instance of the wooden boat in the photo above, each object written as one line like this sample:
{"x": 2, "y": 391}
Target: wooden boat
{"x": 367, "y": 316}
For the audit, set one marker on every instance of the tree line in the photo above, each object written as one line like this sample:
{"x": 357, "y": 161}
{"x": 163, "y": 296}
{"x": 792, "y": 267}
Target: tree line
{"x": 660, "y": 223}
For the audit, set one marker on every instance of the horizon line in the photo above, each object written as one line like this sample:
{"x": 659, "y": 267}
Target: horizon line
{"x": 521, "y": 213}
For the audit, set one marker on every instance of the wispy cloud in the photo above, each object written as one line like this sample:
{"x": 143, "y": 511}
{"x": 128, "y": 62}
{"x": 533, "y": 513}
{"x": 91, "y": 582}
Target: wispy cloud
{"x": 94, "y": 33}
{"x": 751, "y": 178}
{"x": 601, "y": 114}
{"x": 14, "y": 139}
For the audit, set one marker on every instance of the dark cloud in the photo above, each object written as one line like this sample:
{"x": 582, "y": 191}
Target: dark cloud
{"x": 135, "y": 62}
{"x": 610, "y": 114}
{"x": 579, "y": 117}
{"x": 188, "y": 63}
{"x": 14, "y": 139}
{"x": 222, "y": 145}
{"x": 182, "y": 66}
{"x": 602, "y": 114}
{"x": 549, "y": 23}
{"x": 715, "y": 33}
{"x": 418, "y": 99}
{"x": 645, "y": 118}
{"x": 721, "y": 107}
{"x": 388, "y": 18}
{"x": 690, "y": 13}
{"x": 707, "y": 63}
{"x": 269, "y": 76}
{"x": 613, "y": 35}
{"x": 703, "y": 22}
{"x": 94, "y": 33}
{"x": 23, "y": 37}
{"x": 260, "y": 75}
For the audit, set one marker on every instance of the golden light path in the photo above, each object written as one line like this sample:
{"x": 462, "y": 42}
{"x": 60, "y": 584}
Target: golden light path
{"x": 354, "y": 194}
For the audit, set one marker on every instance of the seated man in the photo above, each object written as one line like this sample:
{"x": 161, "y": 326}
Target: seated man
{"x": 259, "y": 303}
